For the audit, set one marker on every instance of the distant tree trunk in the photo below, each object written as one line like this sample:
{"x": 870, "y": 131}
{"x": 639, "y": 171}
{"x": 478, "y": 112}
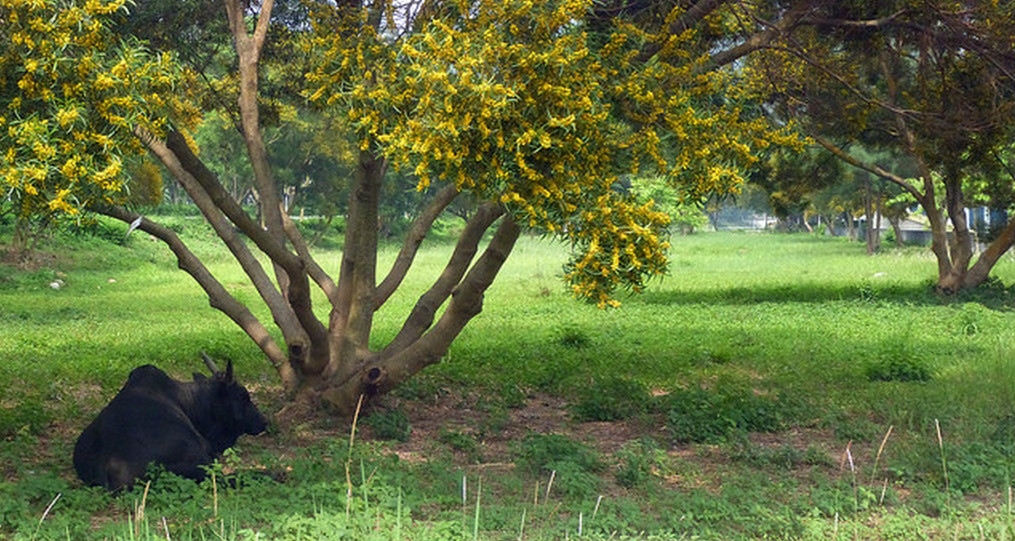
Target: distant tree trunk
{"x": 897, "y": 228}
{"x": 871, "y": 232}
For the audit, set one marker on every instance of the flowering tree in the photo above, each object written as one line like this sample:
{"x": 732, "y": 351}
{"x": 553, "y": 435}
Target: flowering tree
{"x": 537, "y": 109}
{"x": 72, "y": 96}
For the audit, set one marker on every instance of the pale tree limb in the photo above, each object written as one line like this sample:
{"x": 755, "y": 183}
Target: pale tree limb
{"x": 422, "y": 315}
{"x": 298, "y": 297}
{"x": 218, "y": 297}
{"x": 248, "y": 50}
{"x": 316, "y": 272}
{"x": 381, "y": 374}
{"x": 211, "y": 208}
{"x": 466, "y": 303}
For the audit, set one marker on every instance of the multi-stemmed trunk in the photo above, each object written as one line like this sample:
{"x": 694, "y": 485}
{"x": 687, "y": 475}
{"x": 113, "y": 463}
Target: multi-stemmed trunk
{"x": 326, "y": 360}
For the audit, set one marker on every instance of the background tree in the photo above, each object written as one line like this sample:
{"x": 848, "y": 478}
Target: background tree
{"x": 929, "y": 80}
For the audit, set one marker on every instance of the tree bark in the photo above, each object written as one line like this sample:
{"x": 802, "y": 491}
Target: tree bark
{"x": 384, "y": 372}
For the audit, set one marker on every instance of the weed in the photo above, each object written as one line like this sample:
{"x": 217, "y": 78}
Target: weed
{"x": 573, "y": 337}
{"x": 572, "y": 465}
{"x": 638, "y": 461}
{"x": 898, "y": 368}
{"x": 462, "y": 443}
{"x": 714, "y": 415}
{"x": 390, "y": 424}
{"x": 28, "y": 416}
{"x": 611, "y": 399}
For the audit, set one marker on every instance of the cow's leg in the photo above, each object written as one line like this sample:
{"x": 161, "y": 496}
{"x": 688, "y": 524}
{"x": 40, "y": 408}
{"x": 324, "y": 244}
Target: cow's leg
{"x": 188, "y": 460}
{"x": 121, "y": 473}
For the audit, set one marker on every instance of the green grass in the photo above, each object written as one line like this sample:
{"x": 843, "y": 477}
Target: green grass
{"x": 743, "y": 377}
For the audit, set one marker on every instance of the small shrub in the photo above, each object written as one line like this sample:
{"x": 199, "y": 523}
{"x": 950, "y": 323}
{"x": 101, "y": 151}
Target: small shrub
{"x": 389, "y": 425}
{"x": 611, "y": 400}
{"x": 898, "y": 361}
{"x": 462, "y": 443}
{"x": 575, "y": 464}
{"x": 699, "y": 415}
{"x": 897, "y": 368}
{"x": 573, "y": 337}
{"x": 29, "y": 416}
{"x": 637, "y": 461}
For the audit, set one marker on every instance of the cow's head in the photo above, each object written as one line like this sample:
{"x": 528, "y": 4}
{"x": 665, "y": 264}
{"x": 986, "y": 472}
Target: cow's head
{"x": 234, "y": 411}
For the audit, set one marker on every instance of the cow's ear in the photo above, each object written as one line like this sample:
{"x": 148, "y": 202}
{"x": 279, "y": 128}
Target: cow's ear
{"x": 229, "y": 372}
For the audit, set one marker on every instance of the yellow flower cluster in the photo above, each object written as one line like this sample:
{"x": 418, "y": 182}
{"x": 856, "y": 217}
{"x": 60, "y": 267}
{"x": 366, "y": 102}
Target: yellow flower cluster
{"x": 70, "y": 98}
{"x": 512, "y": 103}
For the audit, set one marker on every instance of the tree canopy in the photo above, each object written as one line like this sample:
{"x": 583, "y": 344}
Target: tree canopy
{"x": 74, "y": 93}
{"x": 931, "y": 82}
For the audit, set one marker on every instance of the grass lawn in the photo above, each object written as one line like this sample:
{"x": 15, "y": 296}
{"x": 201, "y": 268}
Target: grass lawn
{"x": 771, "y": 386}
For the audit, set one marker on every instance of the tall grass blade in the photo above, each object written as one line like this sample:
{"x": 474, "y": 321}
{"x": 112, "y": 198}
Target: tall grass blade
{"x": 45, "y": 514}
{"x": 348, "y": 459}
{"x": 944, "y": 463}
{"x": 475, "y": 521}
{"x": 549, "y": 486}
{"x": 881, "y": 449}
{"x": 521, "y": 529}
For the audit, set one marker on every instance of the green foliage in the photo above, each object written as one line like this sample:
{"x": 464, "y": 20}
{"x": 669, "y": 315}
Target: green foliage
{"x": 638, "y": 462}
{"x": 611, "y": 399}
{"x": 389, "y": 424}
{"x": 462, "y": 443}
{"x": 573, "y": 337}
{"x": 686, "y": 213}
{"x": 898, "y": 362}
{"x": 749, "y": 313}
{"x": 28, "y": 416}
{"x": 573, "y": 465}
{"x": 728, "y": 409}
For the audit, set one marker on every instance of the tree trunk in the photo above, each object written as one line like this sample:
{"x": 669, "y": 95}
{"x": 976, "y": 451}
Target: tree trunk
{"x": 897, "y": 228}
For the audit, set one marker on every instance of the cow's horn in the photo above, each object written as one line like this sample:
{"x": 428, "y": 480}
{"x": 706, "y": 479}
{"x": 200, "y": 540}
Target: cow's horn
{"x": 211, "y": 364}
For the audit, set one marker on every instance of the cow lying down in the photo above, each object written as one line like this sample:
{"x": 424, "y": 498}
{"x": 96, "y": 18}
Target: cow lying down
{"x": 182, "y": 425}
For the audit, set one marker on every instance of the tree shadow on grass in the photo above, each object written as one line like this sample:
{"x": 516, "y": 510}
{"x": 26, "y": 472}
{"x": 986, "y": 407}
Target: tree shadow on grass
{"x": 993, "y": 295}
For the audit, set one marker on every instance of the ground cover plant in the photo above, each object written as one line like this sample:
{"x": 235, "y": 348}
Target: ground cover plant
{"x": 772, "y": 386}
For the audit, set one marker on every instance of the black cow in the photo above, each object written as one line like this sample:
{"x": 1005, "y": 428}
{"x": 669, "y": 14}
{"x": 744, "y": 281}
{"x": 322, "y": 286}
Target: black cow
{"x": 178, "y": 424}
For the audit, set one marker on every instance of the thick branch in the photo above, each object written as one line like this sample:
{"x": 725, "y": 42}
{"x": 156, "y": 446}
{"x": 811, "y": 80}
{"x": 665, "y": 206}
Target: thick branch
{"x": 762, "y": 39}
{"x": 422, "y": 315}
{"x": 687, "y": 19}
{"x": 299, "y": 287}
{"x": 210, "y": 207}
{"x": 385, "y": 373}
{"x": 318, "y": 274}
{"x": 248, "y": 50}
{"x": 413, "y": 240}
{"x": 981, "y": 269}
{"x": 466, "y": 303}
{"x": 352, "y": 316}
{"x": 218, "y": 297}
{"x": 869, "y": 167}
